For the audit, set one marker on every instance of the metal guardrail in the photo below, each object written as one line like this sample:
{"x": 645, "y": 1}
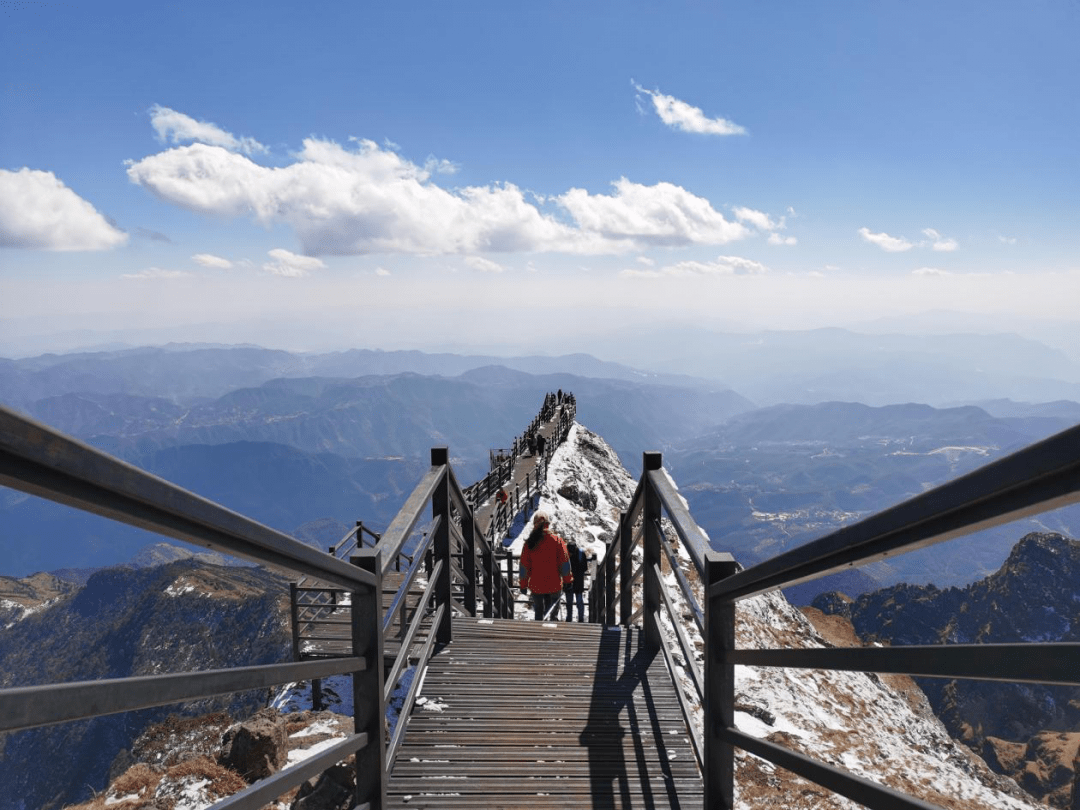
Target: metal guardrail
{"x": 39, "y": 460}
{"x": 1038, "y": 478}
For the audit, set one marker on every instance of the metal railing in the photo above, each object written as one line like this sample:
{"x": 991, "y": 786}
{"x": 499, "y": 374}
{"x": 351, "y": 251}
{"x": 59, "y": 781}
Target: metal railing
{"x": 1041, "y": 477}
{"x": 41, "y": 461}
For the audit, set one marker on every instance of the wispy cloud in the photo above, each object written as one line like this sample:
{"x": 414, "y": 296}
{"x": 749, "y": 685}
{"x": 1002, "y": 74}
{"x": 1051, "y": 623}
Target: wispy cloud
{"x": 39, "y": 212}
{"x": 434, "y": 165}
{"x": 209, "y": 260}
{"x": 722, "y": 266}
{"x": 892, "y": 244}
{"x": 156, "y": 273}
{"x": 939, "y": 242}
{"x": 763, "y": 222}
{"x": 759, "y": 219}
{"x": 680, "y": 115}
{"x": 1006, "y": 240}
{"x": 930, "y": 271}
{"x": 176, "y": 127}
{"x": 342, "y": 201}
{"x": 292, "y": 265}
{"x": 382, "y": 271}
{"x": 483, "y": 265}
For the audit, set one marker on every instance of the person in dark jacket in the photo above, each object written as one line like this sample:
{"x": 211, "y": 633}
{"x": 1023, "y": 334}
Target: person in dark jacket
{"x": 545, "y": 567}
{"x": 575, "y": 591}
{"x": 541, "y": 443}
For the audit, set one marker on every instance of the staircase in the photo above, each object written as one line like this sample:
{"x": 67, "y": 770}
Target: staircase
{"x": 541, "y": 715}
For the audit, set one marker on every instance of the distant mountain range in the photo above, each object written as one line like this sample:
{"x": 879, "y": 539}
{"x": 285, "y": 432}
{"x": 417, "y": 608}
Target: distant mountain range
{"x": 292, "y": 450}
{"x": 774, "y": 478}
{"x": 273, "y": 435}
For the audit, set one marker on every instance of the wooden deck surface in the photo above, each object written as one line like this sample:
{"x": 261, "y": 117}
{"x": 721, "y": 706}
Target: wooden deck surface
{"x": 539, "y": 715}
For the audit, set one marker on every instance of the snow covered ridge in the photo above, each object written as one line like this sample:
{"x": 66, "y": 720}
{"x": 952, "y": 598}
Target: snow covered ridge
{"x": 857, "y": 721}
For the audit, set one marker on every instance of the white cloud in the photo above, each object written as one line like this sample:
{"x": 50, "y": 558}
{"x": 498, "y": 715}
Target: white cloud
{"x": 175, "y": 127}
{"x": 722, "y": 266}
{"x": 758, "y": 219}
{"x": 483, "y": 265}
{"x": 777, "y": 239}
{"x": 645, "y": 260}
{"x": 892, "y": 244}
{"x": 381, "y": 271}
{"x": 939, "y": 242}
{"x": 664, "y": 214}
{"x": 369, "y": 200}
{"x": 156, "y": 273}
{"x": 930, "y": 271}
{"x": 209, "y": 260}
{"x": 680, "y": 115}
{"x": 39, "y": 212}
{"x": 1006, "y": 240}
{"x": 287, "y": 263}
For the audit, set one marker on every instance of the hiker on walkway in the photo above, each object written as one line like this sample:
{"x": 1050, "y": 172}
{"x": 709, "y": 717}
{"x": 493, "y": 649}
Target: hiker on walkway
{"x": 541, "y": 443}
{"x": 530, "y": 441}
{"x": 575, "y": 591}
{"x": 545, "y": 566}
{"x": 502, "y": 496}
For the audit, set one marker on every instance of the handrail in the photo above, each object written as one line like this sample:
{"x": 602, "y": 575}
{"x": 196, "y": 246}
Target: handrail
{"x": 401, "y": 528}
{"x": 35, "y": 706}
{"x": 1043, "y": 476}
{"x": 36, "y": 459}
{"x": 1036, "y": 479}
{"x": 410, "y": 634}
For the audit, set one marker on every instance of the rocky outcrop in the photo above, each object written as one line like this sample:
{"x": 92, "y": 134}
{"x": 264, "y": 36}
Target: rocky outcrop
{"x": 204, "y": 759}
{"x": 1023, "y": 730}
{"x": 181, "y": 617}
{"x": 257, "y": 747}
{"x": 1046, "y": 766}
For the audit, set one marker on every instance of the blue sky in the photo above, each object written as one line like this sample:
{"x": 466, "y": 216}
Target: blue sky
{"x": 435, "y": 166}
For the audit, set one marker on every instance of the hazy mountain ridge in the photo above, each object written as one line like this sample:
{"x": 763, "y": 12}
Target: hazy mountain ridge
{"x": 1033, "y": 597}
{"x": 183, "y": 616}
{"x": 190, "y": 373}
{"x": 777, "y": 477}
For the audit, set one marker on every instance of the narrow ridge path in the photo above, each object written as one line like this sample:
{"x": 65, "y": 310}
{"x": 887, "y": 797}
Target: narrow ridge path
{"x": 515, "y": 714}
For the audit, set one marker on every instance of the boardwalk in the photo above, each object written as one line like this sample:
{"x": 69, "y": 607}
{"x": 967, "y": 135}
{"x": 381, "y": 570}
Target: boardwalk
{"x": 524, "y": 470}
{"x": 531, "y": 715}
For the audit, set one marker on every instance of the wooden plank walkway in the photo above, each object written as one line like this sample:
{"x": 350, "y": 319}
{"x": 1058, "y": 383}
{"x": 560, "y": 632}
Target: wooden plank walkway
{"x": 543, "y": 715}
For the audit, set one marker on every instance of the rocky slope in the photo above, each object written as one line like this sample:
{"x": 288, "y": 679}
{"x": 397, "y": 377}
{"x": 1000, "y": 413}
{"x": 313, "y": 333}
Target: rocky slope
{"x": 1028, "y": 731}
{"x": 184, "y": 616}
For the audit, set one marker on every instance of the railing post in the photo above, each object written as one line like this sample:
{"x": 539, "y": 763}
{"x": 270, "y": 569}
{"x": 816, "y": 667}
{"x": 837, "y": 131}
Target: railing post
{"x": 369, "y": 711}
{"x": 651, "y": 546}
{"x": 609, "y": 584}
{"x": 626, "y": 557}
{"x": 440, "y": 508}
{"x": 491, "y": 608}
{"x": 468, "y": 532}
{"x": 294, "y": 608}
{"x": 719, "y": 698}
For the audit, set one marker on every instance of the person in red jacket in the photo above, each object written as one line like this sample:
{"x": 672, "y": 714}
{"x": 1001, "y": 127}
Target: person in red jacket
{"x": 545, "y": 566}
